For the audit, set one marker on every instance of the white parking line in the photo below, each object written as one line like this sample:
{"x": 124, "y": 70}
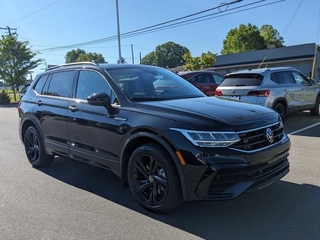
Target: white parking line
{"x": 302, "y": 129}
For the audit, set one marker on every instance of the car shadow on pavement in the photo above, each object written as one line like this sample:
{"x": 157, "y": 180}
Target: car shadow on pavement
{"x": 284, "y": 210}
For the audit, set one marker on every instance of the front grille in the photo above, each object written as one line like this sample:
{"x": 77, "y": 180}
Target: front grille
{"x": 226, "y": 178}
{"x": 257, "y": 138}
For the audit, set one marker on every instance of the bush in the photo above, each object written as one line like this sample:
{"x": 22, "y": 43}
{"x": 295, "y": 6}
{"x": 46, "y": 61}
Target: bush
{"x": 4, "y": 97}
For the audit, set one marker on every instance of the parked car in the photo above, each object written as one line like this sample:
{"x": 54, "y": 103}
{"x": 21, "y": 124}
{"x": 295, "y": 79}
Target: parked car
{"x": 284, "y": 89}
{"x": 167, "y": 144}
{"x": 206, "y": 81}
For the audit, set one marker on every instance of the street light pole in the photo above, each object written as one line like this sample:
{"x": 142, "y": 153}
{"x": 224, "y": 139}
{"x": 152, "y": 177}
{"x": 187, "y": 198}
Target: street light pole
{"x": 118, "y": 27}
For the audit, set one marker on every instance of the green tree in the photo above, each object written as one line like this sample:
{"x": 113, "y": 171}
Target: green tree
{"x": 208, "y": 59}
{"x": 243, "y": 39}
{"x": 167, "y": 55}
{"x": 81, "y": 55}
{"x": 149, "y": 59}
{"x": 16, "y": 61}
{"x": 192, "y": 63}
{"x": 271, "y": 36}
{"x": 198, "y": 63}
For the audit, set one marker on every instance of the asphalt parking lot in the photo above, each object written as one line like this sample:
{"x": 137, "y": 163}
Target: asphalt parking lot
{"x": 71, "y": 200}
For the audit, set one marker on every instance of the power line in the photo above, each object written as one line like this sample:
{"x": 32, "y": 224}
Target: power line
{"x": 94, "y": 20}
{"x": 164, "y": 25}
{"x": 9, "y": 30}
{"x": 291, "y": 19}
{"x": 36, "y": 11}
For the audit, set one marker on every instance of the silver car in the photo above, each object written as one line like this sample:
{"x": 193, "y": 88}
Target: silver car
{"x": 284, "y": 89}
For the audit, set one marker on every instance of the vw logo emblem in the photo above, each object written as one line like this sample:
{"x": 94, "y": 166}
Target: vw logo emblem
{"x": 269, "y": 135}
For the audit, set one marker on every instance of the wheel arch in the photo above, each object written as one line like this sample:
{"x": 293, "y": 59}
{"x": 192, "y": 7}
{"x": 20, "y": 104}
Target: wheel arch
{"x": 141, "y": 138}
{"x": 28, "y": 122}
{"x": 283, "y": 101}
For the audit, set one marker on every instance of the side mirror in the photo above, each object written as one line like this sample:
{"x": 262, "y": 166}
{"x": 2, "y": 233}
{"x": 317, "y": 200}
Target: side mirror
{"x": 312, "y": 81}
{"x": 101, "y": 99}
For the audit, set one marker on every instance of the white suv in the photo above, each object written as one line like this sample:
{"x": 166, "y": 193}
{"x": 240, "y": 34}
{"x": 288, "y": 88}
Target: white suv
{"x": 284, "y": 89}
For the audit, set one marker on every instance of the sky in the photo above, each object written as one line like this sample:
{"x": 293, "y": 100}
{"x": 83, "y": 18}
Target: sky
{"x": 54, "y": 27}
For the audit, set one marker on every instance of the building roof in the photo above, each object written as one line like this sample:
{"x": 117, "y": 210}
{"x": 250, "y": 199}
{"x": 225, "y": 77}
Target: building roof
{"x": 303, "y": 51}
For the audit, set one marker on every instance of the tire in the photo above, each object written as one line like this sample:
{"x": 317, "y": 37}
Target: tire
{"x": 153, "y": 179}
{"x": 35, "y": 150}
{"x": 316, "y": 110}
{"x": 279, "y": 108}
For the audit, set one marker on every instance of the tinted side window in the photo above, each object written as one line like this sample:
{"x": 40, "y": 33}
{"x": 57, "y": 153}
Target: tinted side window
{"x": 284, "y": 78}
{"x": 39, "y": 86}
{"x": 274, "y": 77}
{"x": 204, "y": 78}
{"x": 90, "y": 82}
{"x": 61, "y": 84}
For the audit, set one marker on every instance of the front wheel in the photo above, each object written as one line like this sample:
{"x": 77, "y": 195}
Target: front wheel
{"x": 35, "y": 150}
{"x": 153, "y": 178}
{"x": 316, "y": 110}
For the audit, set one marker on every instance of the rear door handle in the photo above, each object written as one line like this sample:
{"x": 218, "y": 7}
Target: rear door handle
{"x": 39, "y": 103}
{"x": 73, "y": 108}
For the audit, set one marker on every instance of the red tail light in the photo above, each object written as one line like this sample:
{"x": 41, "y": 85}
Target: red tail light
{"x": 19, "y": 106}
{"x": 259, "y": 93}
{"x": 217, "y": 93}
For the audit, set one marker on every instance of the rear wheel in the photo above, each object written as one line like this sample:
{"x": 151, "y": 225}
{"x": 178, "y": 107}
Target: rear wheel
{"x": 279, "y": 108}
{"x": 316, "y": 110}
{"x": 153, "y": 179}
{"x": 35, "y": 150}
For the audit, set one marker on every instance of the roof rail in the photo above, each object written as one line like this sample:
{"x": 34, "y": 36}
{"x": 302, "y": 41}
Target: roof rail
{"x": 72, "y": 64}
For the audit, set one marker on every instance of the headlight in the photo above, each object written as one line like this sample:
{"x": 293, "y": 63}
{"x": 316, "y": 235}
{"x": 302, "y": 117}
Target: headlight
{"x": 209, "y": 139}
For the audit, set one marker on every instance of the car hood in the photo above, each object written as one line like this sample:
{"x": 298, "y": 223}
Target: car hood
{"x": 209, "y": 112}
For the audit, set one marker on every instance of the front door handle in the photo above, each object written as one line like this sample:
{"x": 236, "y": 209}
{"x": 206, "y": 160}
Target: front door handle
{"x": 73, "y": 108}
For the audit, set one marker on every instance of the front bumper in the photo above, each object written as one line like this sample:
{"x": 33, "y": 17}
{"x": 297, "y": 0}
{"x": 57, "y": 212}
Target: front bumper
{"x": 226, "y": 182}
{"x": 225, "y": 174}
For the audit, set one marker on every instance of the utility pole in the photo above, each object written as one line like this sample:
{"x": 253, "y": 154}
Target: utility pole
{"x": 132, "y": 53}
{"x": 9, "y": 30}
{"x": 118, "y": 28}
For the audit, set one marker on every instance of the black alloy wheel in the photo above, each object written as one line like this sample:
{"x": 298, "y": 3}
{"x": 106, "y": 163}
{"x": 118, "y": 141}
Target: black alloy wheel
{"x": 279, "y": 108}
{"x": 34, "y": 149}
{"x": 153, "y": 179}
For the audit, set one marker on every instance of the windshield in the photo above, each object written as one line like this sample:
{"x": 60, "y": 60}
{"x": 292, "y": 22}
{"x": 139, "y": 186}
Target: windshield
{"x": 152, "y": 83}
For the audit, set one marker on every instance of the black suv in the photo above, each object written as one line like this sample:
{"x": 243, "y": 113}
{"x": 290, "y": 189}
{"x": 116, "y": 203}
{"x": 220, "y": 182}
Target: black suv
{"x": 166, "y": 139}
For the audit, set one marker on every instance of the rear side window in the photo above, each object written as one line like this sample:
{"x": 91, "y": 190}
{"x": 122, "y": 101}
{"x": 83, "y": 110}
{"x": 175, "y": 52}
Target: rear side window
{"x": 239, "y": 80}
{"x": 61, "y": 84}
{"x": 282, "y": 77}
{"x": 39, "y": 86}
